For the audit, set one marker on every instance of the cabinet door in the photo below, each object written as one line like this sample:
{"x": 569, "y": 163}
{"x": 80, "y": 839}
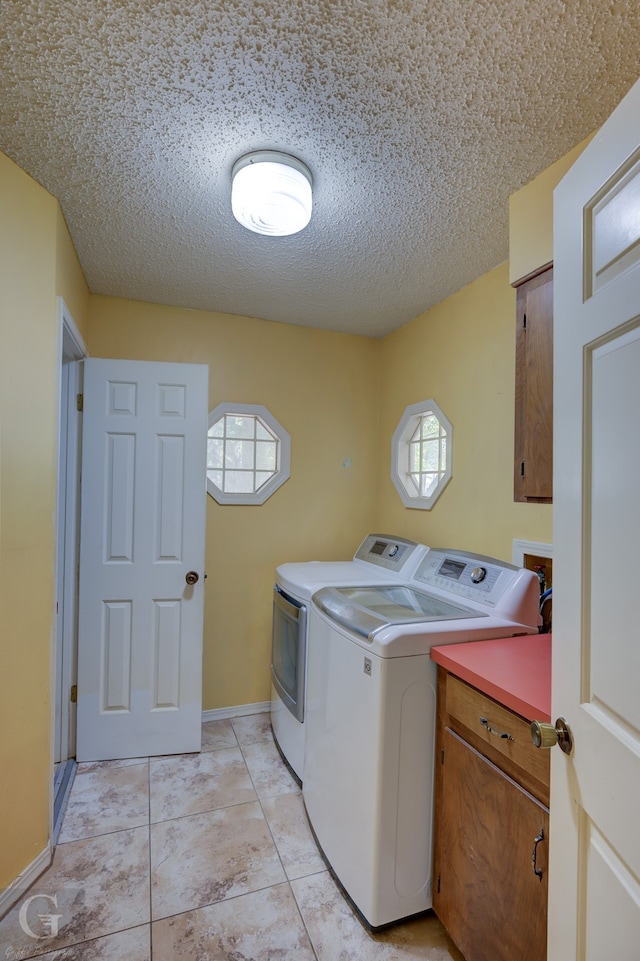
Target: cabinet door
{"x": 487, "y": 893}
{"x": 533, "y": 459}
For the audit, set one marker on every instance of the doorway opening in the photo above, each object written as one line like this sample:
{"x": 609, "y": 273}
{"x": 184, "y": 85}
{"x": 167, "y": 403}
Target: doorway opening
{"x": 72, "y": 350}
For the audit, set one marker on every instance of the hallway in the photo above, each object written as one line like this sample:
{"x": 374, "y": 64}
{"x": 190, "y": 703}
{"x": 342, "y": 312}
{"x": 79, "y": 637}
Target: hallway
{"x": 203, "y": 857}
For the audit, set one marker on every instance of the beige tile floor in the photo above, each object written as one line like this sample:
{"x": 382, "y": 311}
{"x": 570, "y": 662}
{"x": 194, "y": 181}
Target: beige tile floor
{"x": 203, "y": 857}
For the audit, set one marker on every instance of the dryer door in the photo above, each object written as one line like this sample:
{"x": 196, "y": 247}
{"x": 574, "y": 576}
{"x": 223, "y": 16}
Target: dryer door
{"x": 288, "y": 651}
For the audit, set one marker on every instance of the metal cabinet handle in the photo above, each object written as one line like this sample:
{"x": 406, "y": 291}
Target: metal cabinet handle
{"x": 192, "y": 578}
{"x": 534, "y": 855}
{"x": 491, "y": 730}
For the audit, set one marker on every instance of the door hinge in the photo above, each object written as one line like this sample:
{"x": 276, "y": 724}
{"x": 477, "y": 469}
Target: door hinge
{"x": 74, "y": 694}
{"x": 80, "y": 402}
{"x": 524, "y": 321}
{"x": 522, "y": 469}
{"x": 438, "y": 885}
{"x": 442, "y": 756}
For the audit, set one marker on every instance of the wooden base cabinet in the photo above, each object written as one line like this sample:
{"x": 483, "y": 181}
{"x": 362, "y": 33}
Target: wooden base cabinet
{"x": 491, "y": 841}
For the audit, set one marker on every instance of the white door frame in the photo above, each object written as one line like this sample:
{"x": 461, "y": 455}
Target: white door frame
{"x": 71, "y": 348}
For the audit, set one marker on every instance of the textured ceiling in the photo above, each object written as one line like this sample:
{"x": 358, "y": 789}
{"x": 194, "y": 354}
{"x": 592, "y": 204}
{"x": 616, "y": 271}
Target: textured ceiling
{"x": 417, "y": 118}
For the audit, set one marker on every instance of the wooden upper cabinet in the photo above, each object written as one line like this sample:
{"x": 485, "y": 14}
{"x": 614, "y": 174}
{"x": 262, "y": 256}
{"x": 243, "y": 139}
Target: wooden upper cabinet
{"x": 533, "y": 460}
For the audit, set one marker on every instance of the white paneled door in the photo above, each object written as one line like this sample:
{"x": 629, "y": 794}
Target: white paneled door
{"x": 594, "y": 902}
{"x": 142, "y": 540}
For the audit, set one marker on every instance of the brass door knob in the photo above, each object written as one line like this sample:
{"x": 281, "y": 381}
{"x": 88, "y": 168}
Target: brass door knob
{"x": 192, "y": 578}
{"x": 547, "y": 735}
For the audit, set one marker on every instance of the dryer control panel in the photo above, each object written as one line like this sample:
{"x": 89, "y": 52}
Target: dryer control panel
{"x": 391, "y": 553}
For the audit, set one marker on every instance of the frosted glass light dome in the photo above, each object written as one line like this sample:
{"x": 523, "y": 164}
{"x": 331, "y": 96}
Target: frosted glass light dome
{"x": 271, "y": 193}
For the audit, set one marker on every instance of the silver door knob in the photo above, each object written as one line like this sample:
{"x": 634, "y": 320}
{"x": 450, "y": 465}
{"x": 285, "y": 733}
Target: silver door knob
{"x": 192, "y": 578}
{"x": 547, "y": 735}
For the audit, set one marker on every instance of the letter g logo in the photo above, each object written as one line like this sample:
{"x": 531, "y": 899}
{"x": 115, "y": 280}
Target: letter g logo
{"x": 49, "y": 922}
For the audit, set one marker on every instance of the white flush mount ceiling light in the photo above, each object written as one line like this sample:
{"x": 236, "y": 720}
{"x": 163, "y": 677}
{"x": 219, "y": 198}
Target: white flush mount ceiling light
{"x": 271, "y": 193}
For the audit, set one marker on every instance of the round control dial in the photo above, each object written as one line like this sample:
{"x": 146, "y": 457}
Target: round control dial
{"x": 393, "y": 550}
{"x": 478, "y": 574}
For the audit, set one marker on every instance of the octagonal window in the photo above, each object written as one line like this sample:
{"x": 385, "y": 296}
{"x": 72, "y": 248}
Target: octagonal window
{"x": 248, "y": 454}
{"x": 421, "y": 455}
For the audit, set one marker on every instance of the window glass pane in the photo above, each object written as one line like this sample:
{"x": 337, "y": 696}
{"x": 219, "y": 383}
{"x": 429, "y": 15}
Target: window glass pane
{"x": 247, "y": 454}
{"x": 238, "y": 482}
{"x": 430, "y": 425}
{"x": 266, "y": 455}
{"x": 430, "y": 455}
{"x": 414, "y": 480}
{"x": 215, "y": 476}
{"x": 429, "y": 482}
{"x": 238, "y": 454}
{"x": 414, "y": 456}
{"x": 215, "y": 449}
{"x": 262, "y": 477}
{"x": 262, "y": 431}
{"x": 238, "y": 426}
{"x": 217, "y": 430}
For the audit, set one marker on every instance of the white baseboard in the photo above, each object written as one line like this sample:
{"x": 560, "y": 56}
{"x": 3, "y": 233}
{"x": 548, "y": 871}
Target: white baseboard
{"x": 241, "y": 710}
{"x": 20, "y": 885}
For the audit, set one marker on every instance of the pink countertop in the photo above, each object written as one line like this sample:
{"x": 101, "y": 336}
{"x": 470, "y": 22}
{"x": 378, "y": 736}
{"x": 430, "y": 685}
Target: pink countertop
{"x": 516, "y": 671}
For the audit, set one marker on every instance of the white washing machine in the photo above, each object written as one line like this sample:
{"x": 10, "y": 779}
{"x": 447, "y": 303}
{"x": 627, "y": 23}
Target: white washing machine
{"x": 380, "y": 558}
{"x": 371, "y": 711}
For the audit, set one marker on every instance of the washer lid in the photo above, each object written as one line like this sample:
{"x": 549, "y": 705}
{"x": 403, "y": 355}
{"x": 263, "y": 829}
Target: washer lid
{"x": 365, "y": 610}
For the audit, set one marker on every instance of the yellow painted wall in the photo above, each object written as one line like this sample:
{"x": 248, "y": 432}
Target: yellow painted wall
{"x": 531, "y": 218}
{"x": 28, "y": 385}
{"x": 37, "y": 263}
{"x": 321, "y": 387}
{"x": 461, "y": 353}
{"x": 70, "y": 282}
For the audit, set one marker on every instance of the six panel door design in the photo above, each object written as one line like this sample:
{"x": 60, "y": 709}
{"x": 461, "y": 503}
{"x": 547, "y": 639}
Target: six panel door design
{"x": 594, "y": 897}
{"x": 142, "y": 531}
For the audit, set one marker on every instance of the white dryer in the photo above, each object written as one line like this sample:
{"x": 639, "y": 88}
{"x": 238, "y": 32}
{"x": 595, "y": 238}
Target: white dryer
{"x": 380, "y": 558}
{"x": 371, "y": 710}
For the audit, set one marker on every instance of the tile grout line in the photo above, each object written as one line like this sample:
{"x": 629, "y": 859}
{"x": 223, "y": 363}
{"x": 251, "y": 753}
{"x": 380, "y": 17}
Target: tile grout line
{"x": 287, "y": 879}
{"x": 149, "y": 824}
{"x": 69, "y": 808}
{"x": 197, "y": 814}
{"x": 150, "y": 862}
{"x": 97, "y": 938}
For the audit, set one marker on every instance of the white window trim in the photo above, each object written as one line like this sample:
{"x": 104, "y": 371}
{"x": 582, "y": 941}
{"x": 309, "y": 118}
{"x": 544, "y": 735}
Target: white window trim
{"x": 282, "y": 472}
{"x": 400, "y": 455}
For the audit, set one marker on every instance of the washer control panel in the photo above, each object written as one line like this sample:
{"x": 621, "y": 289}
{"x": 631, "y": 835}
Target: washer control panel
{"x": 483, "y": 579}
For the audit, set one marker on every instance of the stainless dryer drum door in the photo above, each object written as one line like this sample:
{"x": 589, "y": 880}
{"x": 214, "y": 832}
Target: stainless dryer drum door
{"x": 288, "y": 651}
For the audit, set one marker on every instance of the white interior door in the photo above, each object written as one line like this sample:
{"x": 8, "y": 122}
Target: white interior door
{"x": 142, "y": 532}
{"x": 594, "y": 902}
